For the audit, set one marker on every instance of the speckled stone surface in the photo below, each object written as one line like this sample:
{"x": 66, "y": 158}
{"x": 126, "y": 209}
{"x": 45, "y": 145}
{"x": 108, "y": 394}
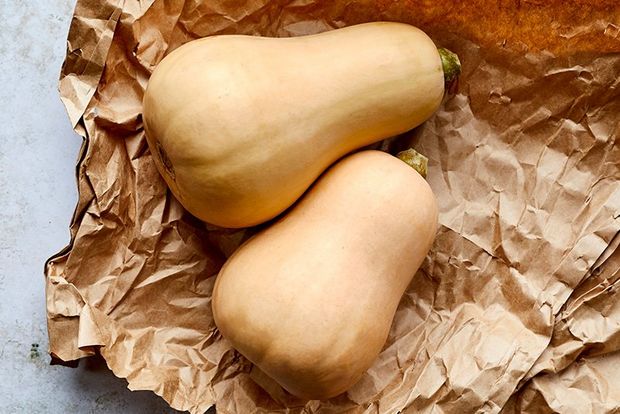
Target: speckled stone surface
{"x": 38, "y": 150}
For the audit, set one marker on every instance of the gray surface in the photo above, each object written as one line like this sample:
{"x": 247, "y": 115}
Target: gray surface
{"x": 38, "y": 151}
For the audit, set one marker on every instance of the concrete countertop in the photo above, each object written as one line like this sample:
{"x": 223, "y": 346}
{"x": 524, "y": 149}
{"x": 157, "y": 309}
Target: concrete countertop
{"x": 38, "y": 151}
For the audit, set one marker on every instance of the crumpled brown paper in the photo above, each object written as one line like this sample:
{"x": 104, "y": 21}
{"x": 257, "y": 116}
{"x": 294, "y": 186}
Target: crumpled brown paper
{"x": 579, "y": 370}
{"x": 523, "y": 163}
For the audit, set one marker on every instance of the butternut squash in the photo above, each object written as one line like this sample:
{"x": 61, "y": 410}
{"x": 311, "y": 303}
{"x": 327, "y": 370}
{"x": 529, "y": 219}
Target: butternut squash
{"x": 240, "y": 126}
{"x": 310, "y": 299}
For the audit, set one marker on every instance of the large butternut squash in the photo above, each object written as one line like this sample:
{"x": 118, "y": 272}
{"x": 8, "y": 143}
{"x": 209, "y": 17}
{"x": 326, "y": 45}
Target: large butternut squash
{"x": 310, "y": 300}
{"x": 241, "y": 126}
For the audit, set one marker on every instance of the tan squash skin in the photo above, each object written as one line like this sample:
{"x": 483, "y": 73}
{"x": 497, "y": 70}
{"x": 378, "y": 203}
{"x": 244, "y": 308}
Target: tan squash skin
{"x": 241, "y": 126}
{"x": 310, "y": 300}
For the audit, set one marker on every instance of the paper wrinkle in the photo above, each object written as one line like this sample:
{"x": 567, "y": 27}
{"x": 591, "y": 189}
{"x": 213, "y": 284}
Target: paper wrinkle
{"x": 590, "y": 386}
{"x": 88, "y": 333}
{"x": 90, "y": 36}
{"x": 68, "y": 319}
{"x": 517, "y": 294}
{"x": 63, "y": 298}
{"x": 586, "y": 331}
{"x": 590, "y": 319}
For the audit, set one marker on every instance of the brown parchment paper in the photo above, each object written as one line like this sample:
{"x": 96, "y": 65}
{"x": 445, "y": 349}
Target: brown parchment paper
{"x": 579, "y": 371}
{"x": 522, "y": 159}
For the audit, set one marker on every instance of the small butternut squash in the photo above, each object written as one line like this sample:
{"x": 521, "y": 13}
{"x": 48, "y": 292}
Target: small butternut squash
{"x": 241, "y": 126}
{"x": 310, "y": 299}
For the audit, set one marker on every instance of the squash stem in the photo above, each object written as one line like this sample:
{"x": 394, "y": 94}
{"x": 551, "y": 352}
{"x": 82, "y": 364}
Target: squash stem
{"x": 450, "y": 63}
{"x": 415, "y": 160}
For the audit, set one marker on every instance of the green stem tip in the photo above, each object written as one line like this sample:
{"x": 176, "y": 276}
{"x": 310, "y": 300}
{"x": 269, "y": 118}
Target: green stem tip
{"x": 415, "y": 160}
{"x": 450, "y": 63}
